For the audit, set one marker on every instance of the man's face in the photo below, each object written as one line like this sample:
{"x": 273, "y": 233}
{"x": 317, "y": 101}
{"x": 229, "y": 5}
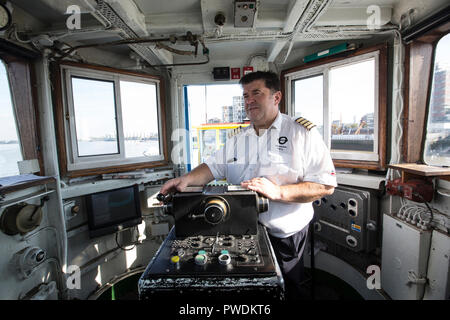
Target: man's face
{"x": 261, "y": 105}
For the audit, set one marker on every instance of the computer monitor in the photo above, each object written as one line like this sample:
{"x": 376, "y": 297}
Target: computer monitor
{"x": 113, "y": 210}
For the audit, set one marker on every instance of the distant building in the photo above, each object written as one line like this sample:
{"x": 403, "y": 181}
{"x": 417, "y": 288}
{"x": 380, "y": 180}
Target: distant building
{"x": 227, "y": 114}
{"x": 214, "y": 120}
{"x": 440, "y": 99}
{"x": 239, "y": 114}
{"x": 236, "y": 112}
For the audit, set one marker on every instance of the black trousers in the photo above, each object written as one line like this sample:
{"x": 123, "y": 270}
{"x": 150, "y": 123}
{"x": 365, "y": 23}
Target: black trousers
{"x": 289, "y": 254}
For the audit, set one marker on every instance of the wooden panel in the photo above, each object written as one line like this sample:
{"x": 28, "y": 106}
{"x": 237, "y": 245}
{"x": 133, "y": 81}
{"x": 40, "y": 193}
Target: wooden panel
{"x": 418, "y": 76}
{"x": 108, "y": 69}
{"x": 382, "y": 106}
{"x": 416, "y": 91}
{"x": 24, "y": 97}
{"x": 370, "y": 165}
{"x": 58, "y": 111}
{"x": 19, "y": 78}
{"x": 122, "y": 168}
{"x": 421, "y": 169}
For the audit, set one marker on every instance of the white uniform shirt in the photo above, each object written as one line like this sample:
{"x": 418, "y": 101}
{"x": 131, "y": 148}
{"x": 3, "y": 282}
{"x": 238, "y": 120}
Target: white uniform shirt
{"x": 285, "y": 153}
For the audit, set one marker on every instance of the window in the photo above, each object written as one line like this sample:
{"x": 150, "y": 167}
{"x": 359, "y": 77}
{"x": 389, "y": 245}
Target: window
{"x": 112, "y": 120}
{"x": 10, "y": 151}
{"x": 19, "y": 131}
{"x": 214, "y": 112}
{"x": 437, "y": 140}
{"x": 309, "y": 102}
{"x": 353, "y": 108}
{"x": 342, "y": 97}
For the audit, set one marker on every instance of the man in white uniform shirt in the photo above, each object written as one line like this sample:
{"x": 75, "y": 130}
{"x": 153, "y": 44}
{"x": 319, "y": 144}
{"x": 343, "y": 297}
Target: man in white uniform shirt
{"x": 279, "y": 158}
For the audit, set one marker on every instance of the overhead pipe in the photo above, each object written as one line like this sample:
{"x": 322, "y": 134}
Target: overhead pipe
{"x": 183, "y": 64}
{"x": 191, "y": 38}
{"x": 67, "y": 52}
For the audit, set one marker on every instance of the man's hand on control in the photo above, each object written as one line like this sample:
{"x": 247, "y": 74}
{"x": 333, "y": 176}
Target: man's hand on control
{"x": 172, "y": 185}
{"x": 265, "y": 187}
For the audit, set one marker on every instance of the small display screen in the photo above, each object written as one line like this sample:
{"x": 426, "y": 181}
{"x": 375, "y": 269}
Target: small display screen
{"x": 113, "y": 210}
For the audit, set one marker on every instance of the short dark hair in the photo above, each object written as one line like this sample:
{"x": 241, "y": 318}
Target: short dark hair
{"x": 271, "y": 79}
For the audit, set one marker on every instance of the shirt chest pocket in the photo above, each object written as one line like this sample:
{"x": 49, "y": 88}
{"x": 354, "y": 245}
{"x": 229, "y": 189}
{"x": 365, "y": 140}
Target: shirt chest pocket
{"x": 282, "y": 168}
{"x": 277, "y": 158}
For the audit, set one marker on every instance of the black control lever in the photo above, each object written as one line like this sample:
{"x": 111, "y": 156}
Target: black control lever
{"x": 164, "y": 198}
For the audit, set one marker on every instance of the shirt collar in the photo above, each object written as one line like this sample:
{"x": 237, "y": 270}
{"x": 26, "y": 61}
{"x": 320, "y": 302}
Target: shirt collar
{"x": 276, "y": 124}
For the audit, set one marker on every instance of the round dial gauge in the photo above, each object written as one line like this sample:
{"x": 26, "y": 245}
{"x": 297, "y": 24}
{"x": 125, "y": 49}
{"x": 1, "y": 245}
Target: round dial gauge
{"x": 5, "y": 17}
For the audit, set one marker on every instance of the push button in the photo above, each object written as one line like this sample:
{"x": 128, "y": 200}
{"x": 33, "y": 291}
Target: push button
{"x": 200, "y": 259}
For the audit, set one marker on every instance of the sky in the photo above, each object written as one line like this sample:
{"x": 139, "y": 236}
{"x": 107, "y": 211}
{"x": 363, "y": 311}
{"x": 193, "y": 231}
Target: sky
{"x": 139, "y": 110}
{"x": 351, "y": 94}
{"x": 217, "y": 96}
{"x": 443, "y": 51}
{"x": 7, "y": 123}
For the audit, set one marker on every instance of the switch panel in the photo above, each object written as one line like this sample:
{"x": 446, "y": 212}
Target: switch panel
{"x": 348, "y": 218}
{"x": 244, "y": 13}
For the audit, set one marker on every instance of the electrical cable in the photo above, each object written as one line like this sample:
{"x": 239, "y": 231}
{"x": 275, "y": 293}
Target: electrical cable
{"x": 14, "y": 31}
{"x": 125, "y": 249}
{"x": 398, "y": 60}
{"x": 431, "y": 212}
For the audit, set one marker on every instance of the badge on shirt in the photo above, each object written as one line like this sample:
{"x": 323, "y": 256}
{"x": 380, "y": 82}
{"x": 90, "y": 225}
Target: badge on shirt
{"x": 282, "y": 143}
{"x": 282, "y": 140}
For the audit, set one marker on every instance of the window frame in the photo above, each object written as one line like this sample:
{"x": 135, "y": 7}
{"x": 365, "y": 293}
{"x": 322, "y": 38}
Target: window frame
{"x": 71, "y": 164}
{"x": 444, "y": 32}
{"x": 346, "y": 159}
{"x": 420, "y": 42}
{"x": 21, "y": 77}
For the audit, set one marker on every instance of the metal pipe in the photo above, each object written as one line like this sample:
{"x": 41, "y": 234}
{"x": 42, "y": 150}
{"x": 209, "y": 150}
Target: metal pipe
{"x": 112, "y": 43}
{"x": 180, "y": 52}
{"x": 183, "y": 64}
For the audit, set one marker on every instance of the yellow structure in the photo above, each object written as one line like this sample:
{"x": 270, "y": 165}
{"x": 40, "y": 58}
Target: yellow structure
{"x": 212, "y": 136}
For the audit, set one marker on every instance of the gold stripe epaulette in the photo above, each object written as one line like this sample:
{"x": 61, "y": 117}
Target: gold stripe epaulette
{"x": 305, "y": 122}
{"x": 234, "y": 132}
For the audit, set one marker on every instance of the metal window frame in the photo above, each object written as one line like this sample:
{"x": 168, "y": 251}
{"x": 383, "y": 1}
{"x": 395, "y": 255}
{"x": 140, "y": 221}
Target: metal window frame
{"x": 76, "y": 162}
{"x": 324, "y": 70}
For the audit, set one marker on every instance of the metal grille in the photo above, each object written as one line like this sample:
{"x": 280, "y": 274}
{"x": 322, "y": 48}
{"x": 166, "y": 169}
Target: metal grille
{"x": 108, "y": 14}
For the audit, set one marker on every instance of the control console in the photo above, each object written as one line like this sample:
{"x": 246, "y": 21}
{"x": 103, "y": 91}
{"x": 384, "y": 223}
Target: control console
{"x": 216, "y": 245}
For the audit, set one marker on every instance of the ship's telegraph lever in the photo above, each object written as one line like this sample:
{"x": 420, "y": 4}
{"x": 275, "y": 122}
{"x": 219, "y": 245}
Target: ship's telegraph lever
{"x": 165, "y": 198}
{"x": 167, "y": 201}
